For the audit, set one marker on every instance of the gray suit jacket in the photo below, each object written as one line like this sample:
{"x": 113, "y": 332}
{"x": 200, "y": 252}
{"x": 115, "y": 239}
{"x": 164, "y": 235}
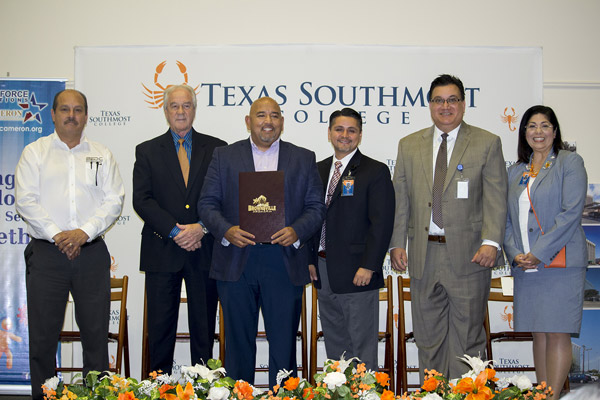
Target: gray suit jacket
{"x": 558, "y": 196}
{"x": 466, "y": 221}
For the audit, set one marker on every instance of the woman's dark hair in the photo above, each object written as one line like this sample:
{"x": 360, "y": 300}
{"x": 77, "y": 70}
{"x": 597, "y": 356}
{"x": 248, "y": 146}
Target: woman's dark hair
{"x": 524, "y": 150}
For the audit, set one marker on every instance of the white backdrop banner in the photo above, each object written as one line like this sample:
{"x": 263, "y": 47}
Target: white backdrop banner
{"x": 388, "y": 85}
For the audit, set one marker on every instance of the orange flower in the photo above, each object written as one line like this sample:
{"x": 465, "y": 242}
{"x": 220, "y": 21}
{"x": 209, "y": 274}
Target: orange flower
{"x": 382, "y": 378}
{"x": 432, "y": 372}
{"x": 127, "y": 396}
{"x": 387, "y": 395}
{"x": 308, "y": 394}
{"x": 490, "y": 375}
{"x": 475, "y": 390}
{"x": 163, "y": 390}
{"x": 361, "y": 370}
{"x": 430, "y": 384}
{"x": 49, "y": 393}
{"x": 243, "y": 390}
{"x": 181, "y": 394}
{"x": 291, "y": 383}
{"x": 336, "y": 366}
{"x": 185, "y": 395}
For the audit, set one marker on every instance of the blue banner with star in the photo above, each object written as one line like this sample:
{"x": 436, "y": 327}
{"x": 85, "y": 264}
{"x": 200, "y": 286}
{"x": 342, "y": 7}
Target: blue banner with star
{"x": 24, "y": 117}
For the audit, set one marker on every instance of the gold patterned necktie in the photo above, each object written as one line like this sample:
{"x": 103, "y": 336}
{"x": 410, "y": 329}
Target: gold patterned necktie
{"x": 441, "y": 167}
{"x": 184, "y": 163}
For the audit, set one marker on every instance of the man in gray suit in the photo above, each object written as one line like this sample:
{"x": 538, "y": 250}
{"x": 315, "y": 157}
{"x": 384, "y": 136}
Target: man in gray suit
{"x": 450, "y": 183}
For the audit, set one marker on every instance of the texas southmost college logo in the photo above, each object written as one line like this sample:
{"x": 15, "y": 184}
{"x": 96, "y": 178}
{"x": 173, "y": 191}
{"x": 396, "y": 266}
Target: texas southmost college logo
{"x": 155, "y": 92}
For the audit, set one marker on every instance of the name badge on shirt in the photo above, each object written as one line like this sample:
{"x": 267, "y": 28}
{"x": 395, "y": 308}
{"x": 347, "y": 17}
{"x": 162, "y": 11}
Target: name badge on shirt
{"x": 462, "y": 184}
{"x": 525, "y": 178}
{"x": 348, "y": 186}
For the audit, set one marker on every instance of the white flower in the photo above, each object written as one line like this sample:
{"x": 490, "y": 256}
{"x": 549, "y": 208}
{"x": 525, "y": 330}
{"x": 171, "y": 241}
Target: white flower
{"x": 218, "y": 393}
{"x": 165, "y": 379}
{"x": 256, "y": 392}
{"x": 370, "y": 395}
{"x": 502, "y": 383}
{"x": 521, "y": 381}
{"x": 334, "y": 379}
{"x": 432, "y": 396}
{"x": 203, "y": 372}
{"x": 476, "y": 364}
{"x": 345, "y": 363}
{"x": 146, "y": 387}
{"x": 52, "y": 383}
{"x": 281, "y": 375}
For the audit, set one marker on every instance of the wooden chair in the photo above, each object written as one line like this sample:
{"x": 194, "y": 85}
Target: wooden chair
{"x": 121, "y": 337}
{"x": 403, "y": 338}
{"x": 385, "y": 295}
{"x": 506, "y": 336}
{"x": 302, "y": 335}
{"x": 180, "y": 337}
{"x": 496, "y": 295}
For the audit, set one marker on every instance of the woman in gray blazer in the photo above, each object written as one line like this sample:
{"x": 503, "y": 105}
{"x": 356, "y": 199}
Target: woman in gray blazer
{"x": 547, "y": 301}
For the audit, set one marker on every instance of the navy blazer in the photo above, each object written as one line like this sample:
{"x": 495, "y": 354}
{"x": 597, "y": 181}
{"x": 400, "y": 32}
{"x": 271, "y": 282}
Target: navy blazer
{"x": 359, "y": 227}
{"x": 161, "y": 199}
{"x": 219, "y": 206}
{"x": 558, "y": 196}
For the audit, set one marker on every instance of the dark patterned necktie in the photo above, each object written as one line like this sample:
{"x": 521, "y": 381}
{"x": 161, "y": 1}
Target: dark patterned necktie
{"x": 332, "y": 184}
{"x": 441, "y": 167}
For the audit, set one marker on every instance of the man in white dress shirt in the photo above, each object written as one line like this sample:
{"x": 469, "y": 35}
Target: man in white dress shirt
{"x": 69, "y": 192}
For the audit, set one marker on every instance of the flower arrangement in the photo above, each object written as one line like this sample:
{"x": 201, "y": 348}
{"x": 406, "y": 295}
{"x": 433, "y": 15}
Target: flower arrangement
{"x": 340, "y": 380}
{"x": 480, "y": 383}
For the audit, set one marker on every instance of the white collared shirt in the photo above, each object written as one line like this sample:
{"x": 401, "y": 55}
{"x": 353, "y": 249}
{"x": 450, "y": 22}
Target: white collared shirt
{"x": 60, "y": 189}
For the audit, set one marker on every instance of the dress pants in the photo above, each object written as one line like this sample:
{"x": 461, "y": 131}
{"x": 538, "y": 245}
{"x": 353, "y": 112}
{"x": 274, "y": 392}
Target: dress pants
{"x": 264, "y": 284}
{"x": 50, "y": 276}
{"x": 448, "y": 313}
{"x": 350, "y": 322}
{"x": 163, "y": 297}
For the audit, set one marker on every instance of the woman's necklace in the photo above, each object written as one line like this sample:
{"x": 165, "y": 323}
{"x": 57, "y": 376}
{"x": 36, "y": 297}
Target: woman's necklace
{"x": 532, "y": 172}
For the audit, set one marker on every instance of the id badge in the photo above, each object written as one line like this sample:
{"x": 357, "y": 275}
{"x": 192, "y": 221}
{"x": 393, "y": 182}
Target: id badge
{"x": 348, "y": 186}
{"x": 462, "y": 184}
{"x": 462, "y": 188}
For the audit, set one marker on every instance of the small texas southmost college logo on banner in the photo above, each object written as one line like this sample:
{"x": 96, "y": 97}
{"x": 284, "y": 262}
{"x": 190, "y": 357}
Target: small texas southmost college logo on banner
{"x": 155, "y": 92}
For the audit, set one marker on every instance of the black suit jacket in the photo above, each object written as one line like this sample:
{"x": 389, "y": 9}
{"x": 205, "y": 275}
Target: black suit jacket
{"x": 359, "y": 227}
{"x": 161, "y": 199}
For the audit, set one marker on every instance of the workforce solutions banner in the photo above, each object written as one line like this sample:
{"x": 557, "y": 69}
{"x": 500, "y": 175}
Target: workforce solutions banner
{"x": 388, "y": 85}
{"x": 24, "y": 117}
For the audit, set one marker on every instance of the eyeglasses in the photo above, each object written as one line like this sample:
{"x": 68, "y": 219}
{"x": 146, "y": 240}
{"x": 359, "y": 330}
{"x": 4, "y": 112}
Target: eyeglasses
{"x": 438, "y": 101}
{"x": 544, "y": 127}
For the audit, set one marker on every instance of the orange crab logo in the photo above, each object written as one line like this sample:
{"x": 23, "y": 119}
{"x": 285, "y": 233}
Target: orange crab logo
{"x": 507, "y": 316}
{"x": 155, "y": 95}
{"x": 113, "y": 265}
{"x": 511, "y": 119}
